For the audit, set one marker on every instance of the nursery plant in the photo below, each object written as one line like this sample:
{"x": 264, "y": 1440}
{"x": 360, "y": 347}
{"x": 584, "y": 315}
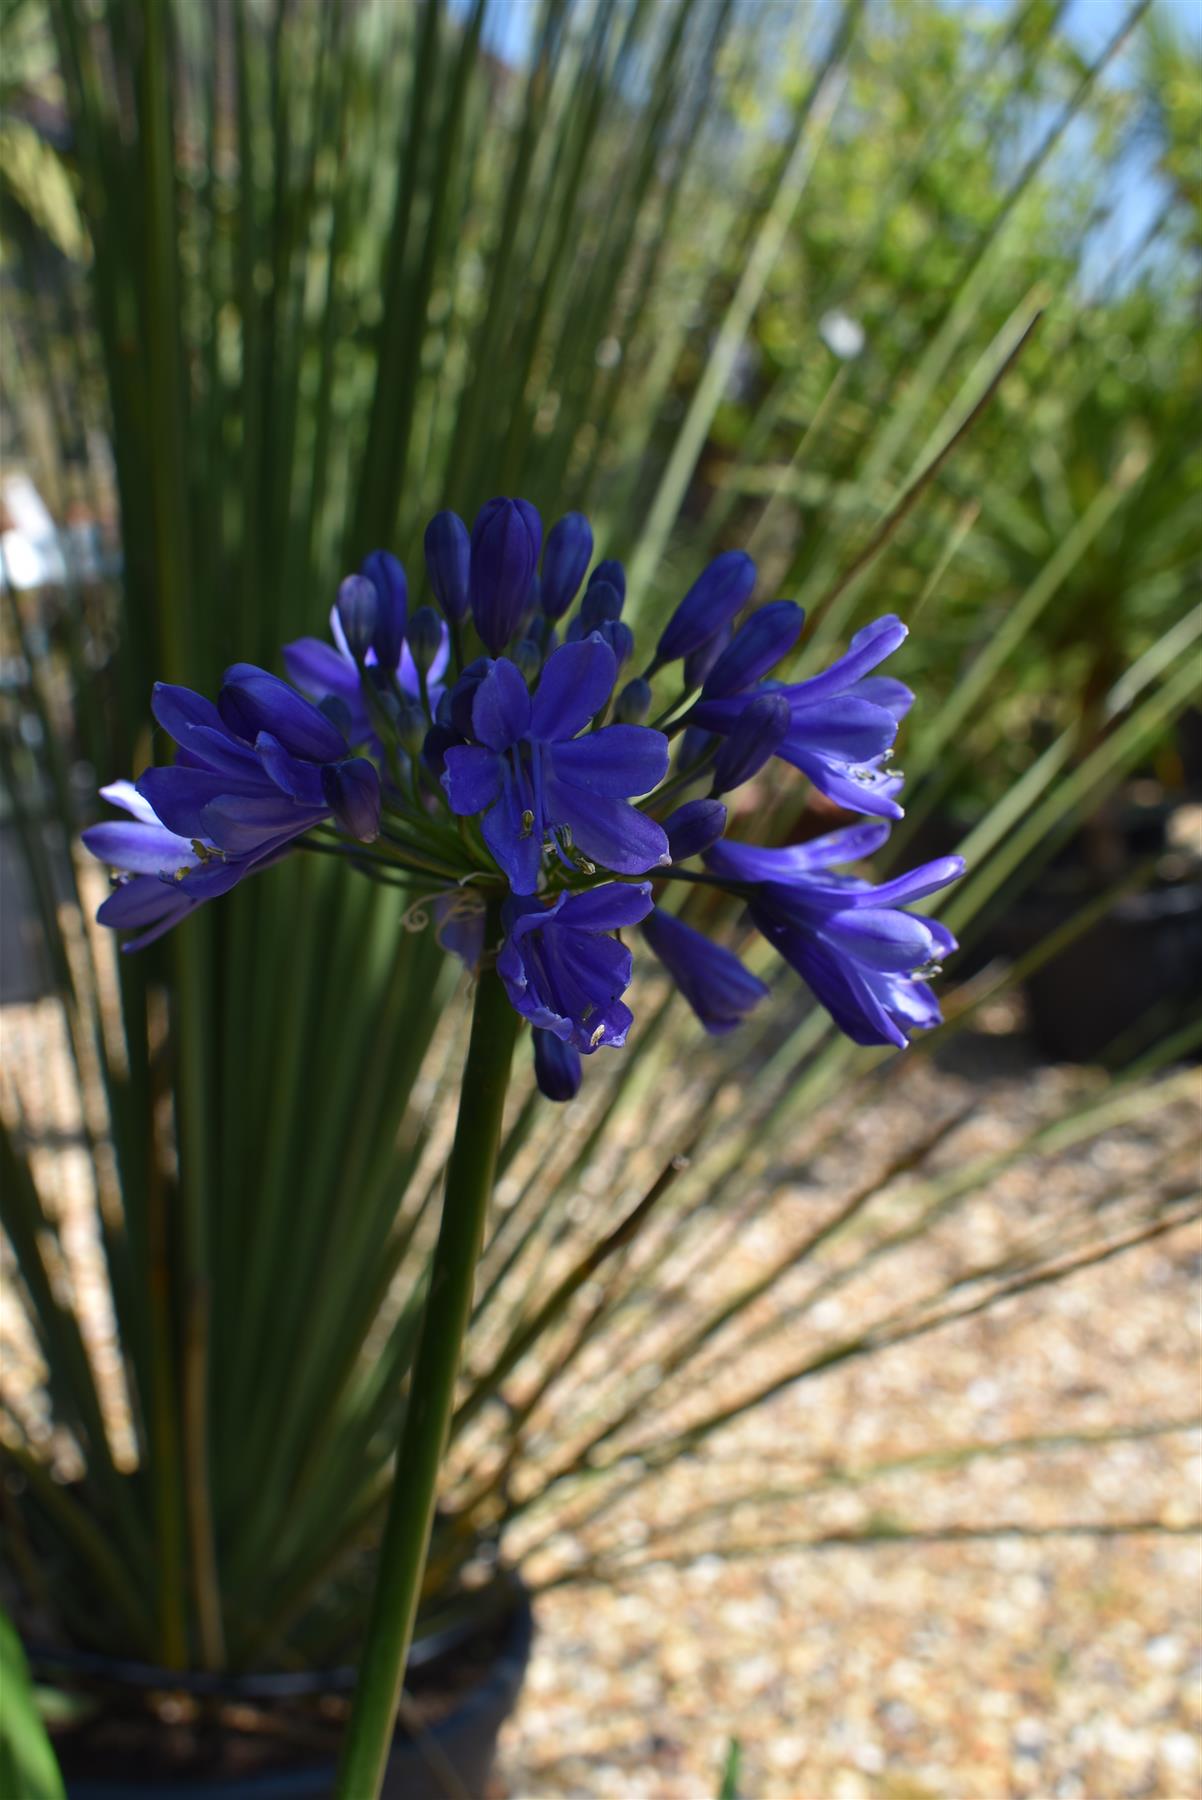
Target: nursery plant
{"x": 412, "y": 775}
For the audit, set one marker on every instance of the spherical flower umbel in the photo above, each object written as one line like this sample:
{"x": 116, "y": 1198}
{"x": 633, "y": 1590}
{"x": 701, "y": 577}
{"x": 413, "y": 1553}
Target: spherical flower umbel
{"x": 506, "y": 774}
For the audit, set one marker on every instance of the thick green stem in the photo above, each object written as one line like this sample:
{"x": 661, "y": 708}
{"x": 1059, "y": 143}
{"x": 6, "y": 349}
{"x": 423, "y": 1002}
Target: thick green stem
{"x": 469, "y": 1184}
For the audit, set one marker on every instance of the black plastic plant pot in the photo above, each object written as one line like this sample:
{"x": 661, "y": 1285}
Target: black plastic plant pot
{"x": 1144, "y": 959}
{"x": 450, "y": 1758}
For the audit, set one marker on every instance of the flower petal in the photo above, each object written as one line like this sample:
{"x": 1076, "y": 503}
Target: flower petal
{"x": 611, "y": 833}
{"x": 140, "y": 849}
{"x": 751, "y": 862}
{"x": 576, "y": 683}
{"x": 606, "y": 908}
{"x": 516, "y": 850}
{"x": 179, "y": 796}
{"x": 868, "y": 647}
{"x": 619, "y": 760}
{"x": 880, "y": 937}
{"x": 178, "y": 709}
{"x": 472, "y": 778}
{"x": 501, "y": 706}
{"x": 252, "y": 700}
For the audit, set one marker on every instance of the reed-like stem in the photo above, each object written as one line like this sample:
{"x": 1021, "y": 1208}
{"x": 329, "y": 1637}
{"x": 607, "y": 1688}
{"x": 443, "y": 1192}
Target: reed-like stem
{"x": 469, "y": 1184}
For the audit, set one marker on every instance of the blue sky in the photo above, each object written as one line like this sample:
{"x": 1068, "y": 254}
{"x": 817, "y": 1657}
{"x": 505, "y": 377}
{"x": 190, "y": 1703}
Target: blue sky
{"x": 1090, "y": 23}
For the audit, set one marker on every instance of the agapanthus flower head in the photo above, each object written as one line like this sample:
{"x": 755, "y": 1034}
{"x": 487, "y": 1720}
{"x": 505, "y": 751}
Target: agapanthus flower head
{"x": 866, "y": 958}
{"x": 519, "y": 796}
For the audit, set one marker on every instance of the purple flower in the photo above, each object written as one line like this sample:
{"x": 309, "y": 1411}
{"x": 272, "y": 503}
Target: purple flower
{"x": 448, "y": 559}
{"x": 358, "y": 610}
{"x": 708, "y": 607}
{"x": 531, "y": 775}
{"x": 756, "y": 735}
{"x": 506, "y": 539}
{"x": 756, "y": 647}
{"x": 562, "y": 968}
{"x": 254, "y": 772}
{"x": 863, "y": 956}
{"x": 150, "y": 898}
{"x": 556, "y": 1066}
{"x": 713, "y": 980}
{"x": 842, "y": 722}
{"x": 328, "y": 671}
{"x": 392, "y": 594}
{"x": 693, "y": 827}
{"x": 565, "y": 558}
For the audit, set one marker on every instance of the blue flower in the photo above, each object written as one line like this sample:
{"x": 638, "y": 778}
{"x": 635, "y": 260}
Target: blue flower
{"x": 562, "y": 968}
{"x": 254, "y": 772}
{"x": 506, "y": 539}
{"x": 326, "y": 671}
{"x": 708, "y": 607}
{"x": 556, "y": 1066}
{"x": 842, "y": 723}
{"x": 757, "y": 734}
{"x": 531, "y": 775}
{"x": 693, "y": 827}
{"x": 149, "y": 899}
{"x": 758, "y": 645}
{"x": 392, "y": 594}
{"x": 713, "y": 980}
{"x": 565, "y": 558}
{"x": 448, "y": 560}
{"x": 860, "y": 952}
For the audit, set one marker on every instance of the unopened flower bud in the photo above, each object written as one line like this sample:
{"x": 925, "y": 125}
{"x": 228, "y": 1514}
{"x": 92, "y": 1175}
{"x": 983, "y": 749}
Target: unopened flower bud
{"x": 756, "y": 736}
{"x": 556, "y": 1066}
{"x": 528, "y": 657}
{"x": 565, "y": 558}
{"x": 620, "y": 639}
{"x": 358, "y": 609}
{"x": 411, "y": 727}
{"x": 612, "y": 571}
{"x": 448, "y": 560}
{"x": 506, "y": 539}
{"x": 694, "y": 827}
{"x": 425, "y": 637}
{"x": 601, "y": 605}
{"x": 352, "y": 791}
{"x": 712, "y": 602}
{"x": 392, "y": 593}
{"x": 757, "y": 647}
{"x": 634, "y": 702}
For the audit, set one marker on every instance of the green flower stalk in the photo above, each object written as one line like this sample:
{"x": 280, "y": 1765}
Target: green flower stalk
{"x": 469, "y": 1184}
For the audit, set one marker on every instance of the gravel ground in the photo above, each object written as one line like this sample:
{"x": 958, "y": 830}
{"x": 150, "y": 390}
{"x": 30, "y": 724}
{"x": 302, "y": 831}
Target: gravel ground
{"x": 1061, "y": 1665}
